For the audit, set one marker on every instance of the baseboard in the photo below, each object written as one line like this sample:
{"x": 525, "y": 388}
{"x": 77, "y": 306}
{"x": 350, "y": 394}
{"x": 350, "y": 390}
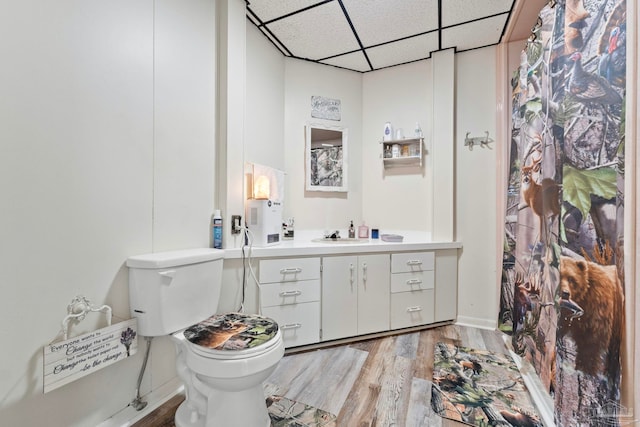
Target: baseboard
{"x": 129, "y": 416}
{"x": 477, "y": 322}
{"x": 541, "y": 398}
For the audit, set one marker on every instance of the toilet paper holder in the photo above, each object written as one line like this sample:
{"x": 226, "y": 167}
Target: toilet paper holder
{"x": 78, "y": 309}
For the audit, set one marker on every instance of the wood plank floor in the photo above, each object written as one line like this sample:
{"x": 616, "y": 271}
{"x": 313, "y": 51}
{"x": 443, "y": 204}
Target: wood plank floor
{"x": 379, "y": 382}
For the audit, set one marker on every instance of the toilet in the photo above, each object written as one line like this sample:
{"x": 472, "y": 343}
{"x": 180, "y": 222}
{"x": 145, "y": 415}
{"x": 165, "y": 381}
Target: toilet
{"x": 222, "y": 358}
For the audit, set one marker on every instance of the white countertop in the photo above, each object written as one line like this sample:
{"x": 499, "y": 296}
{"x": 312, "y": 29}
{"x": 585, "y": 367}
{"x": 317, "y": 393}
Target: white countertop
{"x": 303, "y": 245}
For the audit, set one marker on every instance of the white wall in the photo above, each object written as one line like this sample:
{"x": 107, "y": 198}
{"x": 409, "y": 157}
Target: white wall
{"x": 311, "y": 209}
{"x": 263, "y": 141}
{"x": 98, "y": 161}
{"x": 184, "y": 124}
{"x": 404, "y": 198}
{"x": 476, "y": 187}
{"x": 264, "y": 120}
{"x": 400, "y": 198}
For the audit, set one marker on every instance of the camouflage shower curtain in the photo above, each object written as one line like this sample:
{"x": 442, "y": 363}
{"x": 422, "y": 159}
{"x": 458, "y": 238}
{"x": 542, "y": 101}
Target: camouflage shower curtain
{"x": 562, "y": 296}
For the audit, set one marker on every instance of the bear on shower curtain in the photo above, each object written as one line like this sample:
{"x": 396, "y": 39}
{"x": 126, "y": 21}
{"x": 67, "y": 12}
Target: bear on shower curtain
{"x": 562, "y": 296}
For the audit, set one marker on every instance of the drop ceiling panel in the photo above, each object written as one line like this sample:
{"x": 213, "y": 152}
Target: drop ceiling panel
{"x": 271, "y": 9}
{"x": 352, "y": 61}
{"x": 316, "y": 33}
{"x": 403, "y": 51}
{"x": 474, "y": 34}
{"x": 344, "y": 33}
{"x": 380, "y": 21}
{"x": 459, "y": 11}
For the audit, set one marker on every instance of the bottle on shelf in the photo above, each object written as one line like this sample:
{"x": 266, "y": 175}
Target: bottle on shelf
{"x": 418, "y": 131}
{"x": 387, "y": 152}
{"x": 352, "y": 231}
{"x": 388, "y": 132}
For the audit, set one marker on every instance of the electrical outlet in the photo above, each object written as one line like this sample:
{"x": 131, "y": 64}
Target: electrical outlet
{"x": 236, "y": 224}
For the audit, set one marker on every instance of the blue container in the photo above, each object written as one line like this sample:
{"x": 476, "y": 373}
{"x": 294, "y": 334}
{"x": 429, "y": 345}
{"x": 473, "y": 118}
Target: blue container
{"x": 216, "y": 223}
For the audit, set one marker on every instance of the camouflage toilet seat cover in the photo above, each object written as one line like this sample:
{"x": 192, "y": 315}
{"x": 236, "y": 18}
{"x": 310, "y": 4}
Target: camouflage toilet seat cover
{"x": 232, "y": 331}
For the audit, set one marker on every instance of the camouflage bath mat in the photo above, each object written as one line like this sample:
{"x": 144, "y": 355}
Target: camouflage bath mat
{"x": 289, "y": 413}
{"x": 480, "y": 388}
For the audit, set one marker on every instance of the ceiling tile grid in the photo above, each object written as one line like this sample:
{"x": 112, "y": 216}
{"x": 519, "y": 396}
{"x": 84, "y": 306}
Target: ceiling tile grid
{"x": 316, "y": 33}
{"x": 486, "y": 32}
{"x": 268, "y": 10}
{"x": 275, "y": 41}
{"x": 355, "y": 61}
{"x": 366, "y": 35}
{"x": 459, "y": 11}
{"x": 381, "y": 21}
{"x": 407, "y": 50}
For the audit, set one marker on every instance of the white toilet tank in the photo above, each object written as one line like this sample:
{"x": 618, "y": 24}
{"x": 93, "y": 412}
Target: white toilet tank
{"x": 169, "y": 291}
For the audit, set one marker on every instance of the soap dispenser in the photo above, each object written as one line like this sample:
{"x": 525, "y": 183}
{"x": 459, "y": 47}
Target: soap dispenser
{"x": 352, "y": 231}
{"x": 363, "y": 231}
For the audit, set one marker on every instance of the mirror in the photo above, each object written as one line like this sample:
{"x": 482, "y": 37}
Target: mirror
{"x": 326, "y": 158}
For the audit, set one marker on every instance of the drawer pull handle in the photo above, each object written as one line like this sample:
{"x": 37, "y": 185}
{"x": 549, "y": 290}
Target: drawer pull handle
{"x": 291, "y": 326}
{"x": 290, "y": 293}
{"x": 291, "y": 270}
{"x": 414, "y": 262}
{"x": 414, "y": 309}
{"x": 414, "y": 282}
{"x": 351, "y": 270}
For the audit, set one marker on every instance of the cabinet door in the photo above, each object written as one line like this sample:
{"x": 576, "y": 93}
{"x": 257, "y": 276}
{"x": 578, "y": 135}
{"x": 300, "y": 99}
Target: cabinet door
{"x": 339, "y": 297}
{"x": 373, "y": 293}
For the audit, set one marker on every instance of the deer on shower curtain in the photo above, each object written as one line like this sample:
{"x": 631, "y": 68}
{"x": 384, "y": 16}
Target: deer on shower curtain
{"x": 562, "y": 295}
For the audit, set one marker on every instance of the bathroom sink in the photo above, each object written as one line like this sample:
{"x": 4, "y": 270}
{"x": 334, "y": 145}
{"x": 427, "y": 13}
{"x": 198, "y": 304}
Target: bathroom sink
{"x": 339, "y": 240}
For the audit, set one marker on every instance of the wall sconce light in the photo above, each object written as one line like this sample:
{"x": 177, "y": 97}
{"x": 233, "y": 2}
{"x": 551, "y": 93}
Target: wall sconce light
{"x": 261, "y": 187}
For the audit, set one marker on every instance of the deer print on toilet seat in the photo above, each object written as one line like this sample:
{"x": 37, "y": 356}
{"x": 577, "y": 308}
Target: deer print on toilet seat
{"x": 232, "y": 331}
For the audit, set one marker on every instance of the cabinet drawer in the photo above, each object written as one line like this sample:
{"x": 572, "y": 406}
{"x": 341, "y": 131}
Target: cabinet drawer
{"x": 289, "y": 270}
{"x": 412, "y": 309}
{"x": 299, "y": 323}
{"x": 289, "y": 292}
{"x": 414, "y": 261}
{"x": 415, "y": 281}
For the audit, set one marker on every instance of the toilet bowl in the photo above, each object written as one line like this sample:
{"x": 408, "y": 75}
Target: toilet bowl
{"x": 222, "y": 359}
{"x": 227, "y": 378}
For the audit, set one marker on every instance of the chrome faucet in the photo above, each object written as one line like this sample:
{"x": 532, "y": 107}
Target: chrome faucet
{"x": 334, "y": 235}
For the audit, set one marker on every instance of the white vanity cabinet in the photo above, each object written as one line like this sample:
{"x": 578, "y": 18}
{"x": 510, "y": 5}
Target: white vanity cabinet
{"x": 318, "y": 294}
{"x": 412, "y": 289}
{"x": 289, "y": 293}
{"x": 355, "y": 295}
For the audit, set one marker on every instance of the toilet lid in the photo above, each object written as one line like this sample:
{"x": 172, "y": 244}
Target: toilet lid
{"x": 232, "y": 334}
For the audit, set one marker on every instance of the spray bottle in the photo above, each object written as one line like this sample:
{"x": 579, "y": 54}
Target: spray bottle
{"x": 216, "y": 226}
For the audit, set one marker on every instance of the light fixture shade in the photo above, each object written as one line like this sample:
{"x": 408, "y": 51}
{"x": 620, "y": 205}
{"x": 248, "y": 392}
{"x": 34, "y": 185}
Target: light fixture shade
{"x": 264, "y": 182}
{"x": 261, "y": 187}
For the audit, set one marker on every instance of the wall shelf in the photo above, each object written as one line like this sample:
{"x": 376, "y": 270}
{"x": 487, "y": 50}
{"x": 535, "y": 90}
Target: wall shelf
{"x": 408, "y": 152}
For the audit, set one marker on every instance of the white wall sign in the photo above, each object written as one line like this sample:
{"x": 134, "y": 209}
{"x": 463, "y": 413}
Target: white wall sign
{"x": 72, "y": 359}
{"x": 325, "y": 108}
